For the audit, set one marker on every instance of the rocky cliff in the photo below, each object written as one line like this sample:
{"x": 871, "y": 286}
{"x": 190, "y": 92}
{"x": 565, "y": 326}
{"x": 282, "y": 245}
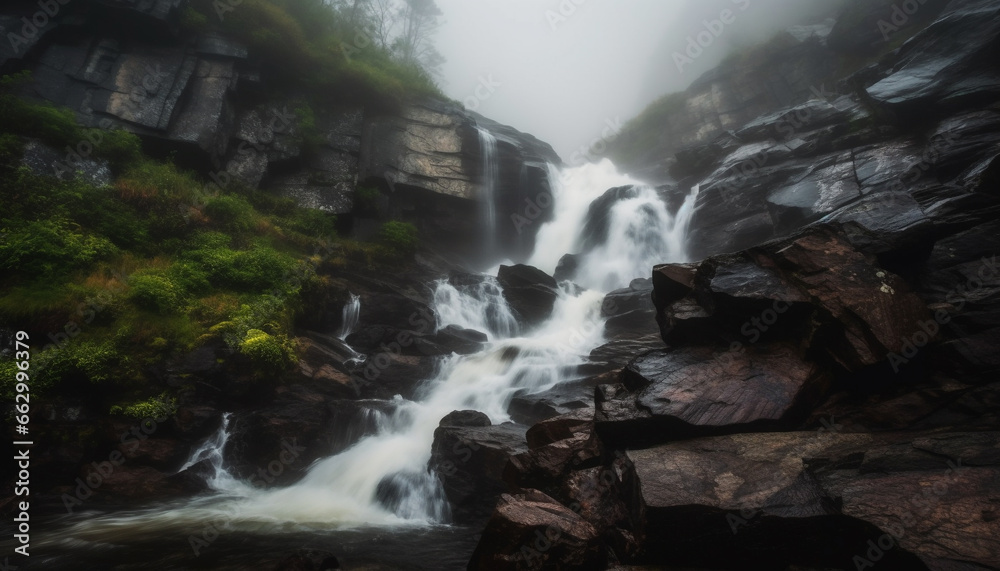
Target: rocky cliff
{"x": 203, "y": 98}
{"x": 823, "y": 392}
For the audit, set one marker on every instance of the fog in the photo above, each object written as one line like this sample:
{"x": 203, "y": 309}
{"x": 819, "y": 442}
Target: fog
{"x": 567, "y": 70}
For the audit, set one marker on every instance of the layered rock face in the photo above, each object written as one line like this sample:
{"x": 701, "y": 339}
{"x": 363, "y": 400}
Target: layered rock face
{"x": 901, "y": 149}
{"x": 199, "y": 96}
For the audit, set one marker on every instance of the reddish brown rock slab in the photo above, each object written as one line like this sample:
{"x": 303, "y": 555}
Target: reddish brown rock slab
{"x": 875, "y": 309}
{"x": 532, "y": 531}
{"x": 907, "y": 500}
{"x": 694, "y": 391}
{"x": 560, "y": 427}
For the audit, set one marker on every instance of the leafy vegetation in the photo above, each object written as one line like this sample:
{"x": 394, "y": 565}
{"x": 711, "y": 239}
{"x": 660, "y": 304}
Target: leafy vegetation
{"x": 371, "y": 51}
{"x": 113, "y": 280}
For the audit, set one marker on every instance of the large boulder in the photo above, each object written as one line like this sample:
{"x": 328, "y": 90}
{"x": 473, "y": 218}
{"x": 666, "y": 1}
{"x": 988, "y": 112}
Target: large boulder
{"x": 814, "y": 288}
{"x": 684, "y": 392}
{"x": 530, "y": 292}
{"x": 469, "y": 456}
{"x": 905, "y": 501}
{"x": 533, "y": 531}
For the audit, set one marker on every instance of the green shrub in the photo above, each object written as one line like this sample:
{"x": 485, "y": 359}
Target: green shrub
{"x": 270, "y": 353}
{"x": 53, "y": 125}
{"x": 156, "y": 292}
{"x": 189, "y": 276}
{"x": 231, "y": 212}
{"x": 401, "y": 238}
{"x": 158, "y": 407}
{"x": 150, "y": 182}
{"x": 314, "y": 223}
{"x": 50, "y": 246}
{"x": 121, "y": 148}
{"x": 256, "y": 269}
{"x": 11, "y": 151}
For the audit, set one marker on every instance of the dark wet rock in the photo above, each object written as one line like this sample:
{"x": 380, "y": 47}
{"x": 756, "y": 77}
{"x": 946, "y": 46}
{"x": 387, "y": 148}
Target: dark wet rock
{"x": 604, "y": 496}
{"x": 808, "y": 116}
{"x": 386, "y": 374}
{"x": 617, "y": 353}
{"x": 559, "y": 428}
{"x": 945, "y": 64}
{"x": 454, "y": 339}
{"x": 863, "y": 313}
{"x": 470, "y": 462}
{"x": 596, "y": 223}
{"x": 557, "y": 446}
{"x": 820, "y": 499}
{"x": 161, "y": 453}
{"x": 566, "y": 268}
{"x": 530, "y": 292}
{"x": 195, "y": 421}
{"x": 128, "y": 482}
{"x": 275, "y": 444}
{"x": 465, "y": 418}
{"x": 702, "y": 159}
{"x": 674, "y": 394}
{"x": 309, "y": 560}
{"x": 867, "y": 27}
{"x": 533, "y": 531}
{"x": 396, "y": 310}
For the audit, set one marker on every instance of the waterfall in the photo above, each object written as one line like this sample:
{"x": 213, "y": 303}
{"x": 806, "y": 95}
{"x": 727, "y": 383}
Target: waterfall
{"x": 212, "y": 449}
{"x": 383, "y": 479}
{"x": 640, "y": 231}
{"x": 480, "y": 306}
{"x": 491, "y": 174}
{"x": 350, "y": 315}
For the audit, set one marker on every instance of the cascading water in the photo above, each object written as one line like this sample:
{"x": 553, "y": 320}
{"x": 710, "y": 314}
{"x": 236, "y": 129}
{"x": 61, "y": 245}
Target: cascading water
{"x": 491, "y": 172}
{"x": 383, "y": 478}
{"x": 479, "y": 305}
{"x": 349, "y": 317}
{"x": 640, "y": 231}
{"x": 211, "y": 450}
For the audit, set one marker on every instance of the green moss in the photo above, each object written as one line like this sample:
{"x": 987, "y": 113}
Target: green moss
{"x": 46, "y": 247}
{"x": 270, "y": 353}
{"x": 155, "y": 291}
{"x": 158, "y": 407}
{"x": 231, "y": 213}
{"x": 401, "y": 238}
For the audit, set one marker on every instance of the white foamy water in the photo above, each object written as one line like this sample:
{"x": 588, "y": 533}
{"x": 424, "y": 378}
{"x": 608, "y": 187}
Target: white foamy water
{"x": 349, "y": 316}
{"x": 641, "y": 232}
{"x": 383, "y": 478}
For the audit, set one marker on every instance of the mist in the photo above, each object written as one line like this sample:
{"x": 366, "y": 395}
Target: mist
{"x": 567, "y": 71}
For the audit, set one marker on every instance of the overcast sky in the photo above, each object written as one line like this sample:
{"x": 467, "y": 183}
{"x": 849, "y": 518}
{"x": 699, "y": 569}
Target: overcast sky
{"x": 563, "y": 69}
